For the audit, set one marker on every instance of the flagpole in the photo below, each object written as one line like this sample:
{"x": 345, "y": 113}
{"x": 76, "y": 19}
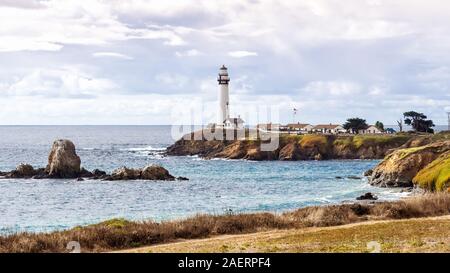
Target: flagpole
{"x": 294, "y": 112}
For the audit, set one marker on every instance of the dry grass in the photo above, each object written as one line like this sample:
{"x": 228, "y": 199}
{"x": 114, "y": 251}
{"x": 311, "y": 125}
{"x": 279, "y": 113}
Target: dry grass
{"x": 413, "y": 235}
{"x": 358, "y": 141}
{"x": 121, "y": 234}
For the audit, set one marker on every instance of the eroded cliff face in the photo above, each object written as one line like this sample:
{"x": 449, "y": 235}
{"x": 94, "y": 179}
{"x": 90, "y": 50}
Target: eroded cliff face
{"x": 399, "y": 168}
{"x": 292, "y": 147}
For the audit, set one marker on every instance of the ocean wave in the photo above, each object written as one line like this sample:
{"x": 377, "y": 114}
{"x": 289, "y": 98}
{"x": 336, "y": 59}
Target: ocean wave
{"x": 144, "y": 149}
{"x": 88, "y": 149}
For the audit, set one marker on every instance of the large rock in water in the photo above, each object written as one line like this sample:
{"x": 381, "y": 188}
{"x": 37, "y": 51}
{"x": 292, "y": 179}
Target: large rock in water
{"x": 63, "y": 162}
{"x": 400, "y": 167}
{"x": 151, "y": 172}
{"x": 125, "y": 173}
{"x": 155, "y": 172}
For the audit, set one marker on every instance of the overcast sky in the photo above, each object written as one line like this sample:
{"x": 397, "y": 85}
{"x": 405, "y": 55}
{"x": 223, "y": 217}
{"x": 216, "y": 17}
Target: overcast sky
{"x": 134, "y": 62}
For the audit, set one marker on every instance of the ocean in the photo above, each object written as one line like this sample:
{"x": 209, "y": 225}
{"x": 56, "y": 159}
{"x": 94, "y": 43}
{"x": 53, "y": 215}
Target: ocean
{"x": 215, "y": 186}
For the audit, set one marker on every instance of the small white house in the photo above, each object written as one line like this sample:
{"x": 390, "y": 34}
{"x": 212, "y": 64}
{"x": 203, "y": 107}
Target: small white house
{"x": 300, "y": 127}
{"x": 370, "y": 130}
{"x": 233, "y": 123}
{"x": 329, "y": 129}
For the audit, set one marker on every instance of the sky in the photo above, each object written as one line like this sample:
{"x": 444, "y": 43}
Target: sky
{"x": 156, "y": 62}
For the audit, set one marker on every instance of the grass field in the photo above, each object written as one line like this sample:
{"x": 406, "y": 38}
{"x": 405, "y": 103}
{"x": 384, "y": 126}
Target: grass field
{"x": 413, "y": 235}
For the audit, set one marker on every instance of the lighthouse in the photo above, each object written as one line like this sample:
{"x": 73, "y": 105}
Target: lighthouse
{"x": 224, "y": 98}
{"x": 224, "y": 120}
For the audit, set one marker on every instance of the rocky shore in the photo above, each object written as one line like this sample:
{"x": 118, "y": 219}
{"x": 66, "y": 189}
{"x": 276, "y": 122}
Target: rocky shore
{"x": 64, "y": 163}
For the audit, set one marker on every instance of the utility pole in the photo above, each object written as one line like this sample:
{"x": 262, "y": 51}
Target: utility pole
{"x": 448, "y": 121}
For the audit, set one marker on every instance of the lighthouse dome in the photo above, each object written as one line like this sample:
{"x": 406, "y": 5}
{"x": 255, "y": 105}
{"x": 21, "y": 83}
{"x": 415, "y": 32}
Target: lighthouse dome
{"x": 223, "y": 70}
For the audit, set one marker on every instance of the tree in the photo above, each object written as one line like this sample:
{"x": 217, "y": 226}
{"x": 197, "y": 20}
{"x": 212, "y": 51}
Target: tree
{"x": 379, "y": 125}
{"x": 418, "y": 121}
{"x": 355, "y": 124}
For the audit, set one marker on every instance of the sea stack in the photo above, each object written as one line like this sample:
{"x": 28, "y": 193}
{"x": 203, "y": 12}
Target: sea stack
{"x": 63, "y": 162}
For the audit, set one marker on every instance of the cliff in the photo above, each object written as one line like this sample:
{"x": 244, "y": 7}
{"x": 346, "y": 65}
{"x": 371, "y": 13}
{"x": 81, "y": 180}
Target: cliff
{"x": 400, "y": 167}
{"x": 63, "y": 163}
{"x": 421, "y": 162}
{"x": 292, "y": 147}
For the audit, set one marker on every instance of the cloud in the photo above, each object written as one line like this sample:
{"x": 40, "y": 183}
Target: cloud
{"x": 24, "y": 4}
{"x": 172, "y": 80}
{"x": 113, "y": 55}
{"x": 242, "y": 54}
{"x": 71, "y": 22}
{"x": 371, "y": 58}
{"x": 59, "y": 83}
{"x": 333, "y": 88}
{"x": 188, "y": 53}
{"x": 377, "y": 91}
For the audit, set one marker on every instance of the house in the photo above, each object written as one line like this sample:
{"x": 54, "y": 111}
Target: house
{"x": 390, "y": 131}
{"x": 300, "y": 127}
{"x": 269, "y": 126}
{"x": 329, "y": 129}
{"x": 370, "y": 130}
{"x": 233, "y": 123}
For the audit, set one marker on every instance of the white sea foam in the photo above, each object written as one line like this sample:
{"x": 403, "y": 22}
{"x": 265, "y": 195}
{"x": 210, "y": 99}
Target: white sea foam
{"x": 144, "y": 149}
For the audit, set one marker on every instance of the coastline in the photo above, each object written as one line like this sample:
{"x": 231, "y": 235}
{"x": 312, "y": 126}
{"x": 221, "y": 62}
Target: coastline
{"x": 220, "y": 204}
{"x": 122, "y": 233}
{"x": 117, "y": 234}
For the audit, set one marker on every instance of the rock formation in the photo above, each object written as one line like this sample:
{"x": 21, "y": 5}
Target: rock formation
{"x": 63, "y": 162}
{"x": 151, "y": 172}
{"x": 155, "y": 172}
{"x": 400, "y": 167}
{"x": 290, "y": 151}
{"x": 367, "y": 196}
{"x": 24, "y": 171}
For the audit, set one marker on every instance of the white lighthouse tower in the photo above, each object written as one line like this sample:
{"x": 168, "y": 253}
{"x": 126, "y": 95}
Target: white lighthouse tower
{"x": 224, "y": 98}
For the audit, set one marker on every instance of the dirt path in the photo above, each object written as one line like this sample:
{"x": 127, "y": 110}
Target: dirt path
{"x": 412, "y": 235}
